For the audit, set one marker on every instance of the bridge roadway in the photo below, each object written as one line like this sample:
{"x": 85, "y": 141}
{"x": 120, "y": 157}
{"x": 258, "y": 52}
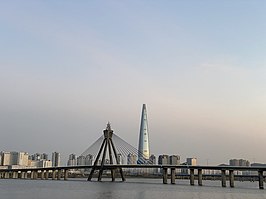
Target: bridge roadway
{"x": 227, "y": 172}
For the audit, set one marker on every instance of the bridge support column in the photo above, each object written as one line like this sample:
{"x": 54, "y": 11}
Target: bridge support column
{"x": 14, "y": 174}
{"x": 46, "y": 174}
{"x": 65, "y": 174}
{"x": 53, "y": 174}
{"x": 58, "y": 174}
{"x": 6, "y": 175}
{"x": 231, "y": 178}
{"x": 113, "y": 174}
{"x": 35, "y": 174}
{"x": 165, "y": 175}
{"x": 31, "y": 174}
{"x": 42, "y": 174}
{"x": 192, "y": 177}
{"x": 26, "y": 174}
{"x": 22, "y": 175}
{"x": 223, "y": 176}
{"x": 172, "y": 175}
{"x": 200, "y": 177}
{"x": 261, "y": 186}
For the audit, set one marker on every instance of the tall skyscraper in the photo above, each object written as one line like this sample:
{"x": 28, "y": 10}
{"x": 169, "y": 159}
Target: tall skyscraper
{"x": 144, "y": 148}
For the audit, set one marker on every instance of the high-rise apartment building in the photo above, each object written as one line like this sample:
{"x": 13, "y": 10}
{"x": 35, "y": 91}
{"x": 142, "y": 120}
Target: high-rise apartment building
{"x": 152, "y": 159}
{"x": 56, "y": 159}
{"x": 81, "y": 160}
{"x": 89, "y": 159}
{"x": 14, "y": 158}
{"x": 72, "y": 160}
{"x": 174, "y": 160}
{"x": 163, "y": 159}
{"x": 192, "y": 161}
{"x": 6, "y": 158}
{"x": 131, "y": 159}
{"x": 144, "y": 148}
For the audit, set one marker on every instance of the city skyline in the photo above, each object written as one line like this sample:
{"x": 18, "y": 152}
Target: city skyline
{"x": 67, "y": 68}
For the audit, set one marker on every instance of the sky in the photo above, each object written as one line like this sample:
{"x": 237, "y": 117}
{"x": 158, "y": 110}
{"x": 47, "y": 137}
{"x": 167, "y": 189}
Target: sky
{"x": 69, "y": 67}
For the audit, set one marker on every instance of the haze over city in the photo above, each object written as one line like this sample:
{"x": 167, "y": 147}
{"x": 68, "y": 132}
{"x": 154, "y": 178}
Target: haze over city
{"x": 67, "y": 68}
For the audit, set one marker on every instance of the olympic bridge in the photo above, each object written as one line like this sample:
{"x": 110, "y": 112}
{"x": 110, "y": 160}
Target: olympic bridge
{"x": 110, "y": 150}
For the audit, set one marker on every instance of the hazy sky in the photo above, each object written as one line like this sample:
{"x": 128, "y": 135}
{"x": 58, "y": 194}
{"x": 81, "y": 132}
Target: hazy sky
{"x": 69, "y": 67}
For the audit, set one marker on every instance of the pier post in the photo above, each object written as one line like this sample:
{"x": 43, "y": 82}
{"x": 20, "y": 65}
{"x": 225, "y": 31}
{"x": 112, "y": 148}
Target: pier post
{"x": 165, "y": 175}
{"x": 53, "y": 175}
{"x": 65, "y": 174}
{"x": 231, "y": 178}
{"x": 35, "y": 174}
{"x": 172, "y": 175}
{"x": 46, "y": 174}
{"x": 58, "y": 174}
{"x": 7, "y": 174}
{"x": 192, "y": 177}
{"x": 14, "y": 174}
{"x": 200, "y": 177}
{"x": 223, "y": 178}
{"x": 261, "y": 186}
{"x": 31, "y": 174}
{"x": 25, "y": 174}
{"x": 22, "y": 175}
{"x": 42, "y": 174}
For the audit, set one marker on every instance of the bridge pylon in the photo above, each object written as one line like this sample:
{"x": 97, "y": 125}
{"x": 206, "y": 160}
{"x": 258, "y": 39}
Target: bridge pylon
{"x": 107, "y": 143}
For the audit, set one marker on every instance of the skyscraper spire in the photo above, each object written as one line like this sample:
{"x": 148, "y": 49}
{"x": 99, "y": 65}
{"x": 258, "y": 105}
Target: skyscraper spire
{"x": 144, "y": 148}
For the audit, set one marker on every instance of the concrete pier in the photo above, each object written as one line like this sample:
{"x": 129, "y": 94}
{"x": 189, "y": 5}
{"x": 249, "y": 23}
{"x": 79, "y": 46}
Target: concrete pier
{"x": 58, "y": 174}
{"x": 35, "y": 175}
{"x": 14, "y": 174}
{"x": 7, "y": 175}
{"x": 46, "y": 174}
{"x": 165, "y": 175}
{"x": 261, "y": 186}
{"x": 200, "y": 177}
{"x": 172, "y": 175}
{"x": 66, "y": 174}
{"x": 42, "y": 174}
{"x": 31, "y": 175}
{"x": 53, "y": 174}
{"x": 192, "y": 177}
{"x": 231, "y": 178}
{"x": 22, "y": 175}
{"x": 223, "y": 176}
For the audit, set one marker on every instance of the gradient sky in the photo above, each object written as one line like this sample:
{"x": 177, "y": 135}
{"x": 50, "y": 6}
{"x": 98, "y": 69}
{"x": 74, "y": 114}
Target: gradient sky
{"x": 69, "y": 67}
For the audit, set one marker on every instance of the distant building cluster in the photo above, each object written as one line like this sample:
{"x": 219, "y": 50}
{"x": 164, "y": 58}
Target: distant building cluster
{"x": 73, "y": 160}
{"x": 16, "y": 159}
{"x": 239, "y": 162}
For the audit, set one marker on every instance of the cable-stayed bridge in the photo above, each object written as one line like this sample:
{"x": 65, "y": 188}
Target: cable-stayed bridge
{"x": 111, "y": 152}
{"x": 127, "y": 154}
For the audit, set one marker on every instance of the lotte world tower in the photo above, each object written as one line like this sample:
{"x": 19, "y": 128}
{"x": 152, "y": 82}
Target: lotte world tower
{"x": 144, "y": 148}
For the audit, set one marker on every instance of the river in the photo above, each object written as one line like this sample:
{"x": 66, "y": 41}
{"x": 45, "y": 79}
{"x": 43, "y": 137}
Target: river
{"x": 131, "y": 189}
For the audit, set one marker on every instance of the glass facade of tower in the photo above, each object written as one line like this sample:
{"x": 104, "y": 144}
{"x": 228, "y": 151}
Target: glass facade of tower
{"x": 144, "y": 148}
